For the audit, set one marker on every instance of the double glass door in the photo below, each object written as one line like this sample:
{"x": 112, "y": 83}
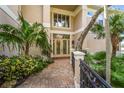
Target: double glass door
{"x": 61, "y": 45}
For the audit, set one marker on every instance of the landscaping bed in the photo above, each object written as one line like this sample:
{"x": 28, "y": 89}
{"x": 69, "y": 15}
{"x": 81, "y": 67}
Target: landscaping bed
{"x": 97, "y": 62}
{"x": 14, "y": 70}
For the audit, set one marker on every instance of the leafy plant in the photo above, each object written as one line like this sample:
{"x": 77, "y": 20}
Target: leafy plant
{"x": 18, "y": 67}
{"x": 99, "y": 55}
{"x": 23, "y": 37}
{"x": 117, "y": 67}
{"x": 116, "y": 23}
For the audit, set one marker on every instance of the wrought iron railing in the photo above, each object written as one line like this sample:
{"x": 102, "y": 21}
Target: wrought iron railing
{"x": 90, "y": 79}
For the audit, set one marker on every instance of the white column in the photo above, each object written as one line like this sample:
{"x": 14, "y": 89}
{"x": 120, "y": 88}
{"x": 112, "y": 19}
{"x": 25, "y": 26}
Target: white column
{"x": 77, "y": 55}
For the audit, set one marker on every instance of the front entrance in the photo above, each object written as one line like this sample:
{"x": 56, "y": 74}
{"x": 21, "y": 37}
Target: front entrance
{"x": 61, "y": 45}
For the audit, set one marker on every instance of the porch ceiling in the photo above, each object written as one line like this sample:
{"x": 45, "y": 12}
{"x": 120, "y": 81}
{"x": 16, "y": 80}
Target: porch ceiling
{"x": 65, "y": 7}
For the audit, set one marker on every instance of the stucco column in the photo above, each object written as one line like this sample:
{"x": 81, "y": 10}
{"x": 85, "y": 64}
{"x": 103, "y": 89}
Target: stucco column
{"x": 84, "y": 15}
{"x": 77, "y": 55}
{"x": 46, "y": 15}
{"x": 46, "y": 19}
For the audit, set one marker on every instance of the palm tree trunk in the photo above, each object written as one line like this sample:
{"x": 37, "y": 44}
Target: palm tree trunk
{"x": 27, "y": 49}
{"x": 87, "y": 29}
{"x": 115, "y": 42}
{"x": 108, "y": 46}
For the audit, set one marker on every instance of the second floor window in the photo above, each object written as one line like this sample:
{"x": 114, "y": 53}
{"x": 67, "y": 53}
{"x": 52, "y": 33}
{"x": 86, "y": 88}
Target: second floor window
{"x": 90, "y": 13}
{"x": 61, "y": 20}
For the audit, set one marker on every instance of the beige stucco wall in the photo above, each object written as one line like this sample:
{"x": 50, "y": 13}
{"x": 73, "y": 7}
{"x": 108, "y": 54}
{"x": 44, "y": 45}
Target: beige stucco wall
{"x": 95, "y": 45}
{"x": 5, "y": 19}
{"x": 78, "y": 21}
{"x": 14, "y": 9}
{"x": 33, "y": 13}
{"x": 90, "y": 43}
{"x": 46, "y": 15}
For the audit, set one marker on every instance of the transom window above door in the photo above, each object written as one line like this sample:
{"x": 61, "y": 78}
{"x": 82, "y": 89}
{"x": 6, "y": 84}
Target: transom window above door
{"x": 61, "y": 21}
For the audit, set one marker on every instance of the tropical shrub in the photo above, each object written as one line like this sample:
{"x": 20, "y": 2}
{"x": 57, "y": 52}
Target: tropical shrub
{"x": 117, "y": 67}
{"x": 18, "y": 68}
{"x": 23, "y": 37}
{"x": 118, "y": 71}
{"x": 88, "y": 58}
{"x": 99, "y": 55}
{"x": 2, "y": 57}
{"x": 116, "y": 26}
{"x": 97, "y": 62}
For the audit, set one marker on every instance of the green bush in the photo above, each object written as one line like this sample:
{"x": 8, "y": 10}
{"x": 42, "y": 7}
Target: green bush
{"x": 99, "y": 55}
{"x": 17, "y": 68}
{"x": 118, "y": 71}
{"x": 88, "y": 58}
{"x": 2, "y": 57}
{"x": 117, "y": 66}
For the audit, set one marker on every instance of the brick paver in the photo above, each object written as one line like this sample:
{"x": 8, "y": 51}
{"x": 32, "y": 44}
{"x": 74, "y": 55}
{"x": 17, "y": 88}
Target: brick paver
{"x": 56, "y": 75}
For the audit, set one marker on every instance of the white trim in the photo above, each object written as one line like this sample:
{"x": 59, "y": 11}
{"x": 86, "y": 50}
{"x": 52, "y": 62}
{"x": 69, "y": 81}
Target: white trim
{"x": 79, "y": 30}
{"x": 65, "y": 32}
{"x": 70, "y": 26}
{"x": 9, "y": 12}
{"x": 64, "y": 12}
{"x": 61, "y": 32}
{"x": 77, "y": 10}
{"x": 46, "y": 24}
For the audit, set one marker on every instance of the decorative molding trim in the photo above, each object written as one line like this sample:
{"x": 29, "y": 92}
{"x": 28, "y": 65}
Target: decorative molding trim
{"x": 60, "y": 32}
{"x": 79, "y": 30}
{"x": 66, "y": 12}
{"x": 61, "y": 11}
{"x": 46, "y": 24}
{"x": 65, "y": 32}
{"x": 6, "y": 10}
{"x": 77, "y": 10}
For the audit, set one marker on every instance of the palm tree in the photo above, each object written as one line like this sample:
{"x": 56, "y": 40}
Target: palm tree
{"x": 25, "y": 36}
{"x": 116, "y": 23}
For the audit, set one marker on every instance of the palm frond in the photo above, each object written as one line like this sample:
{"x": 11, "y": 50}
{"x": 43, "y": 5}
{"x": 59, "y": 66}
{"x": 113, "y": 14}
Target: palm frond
{"x": 10, "y": 39}
{"x": 39, "y": 37}
{"x": 98, "y": 29}
{"x": 8, "y": 28}
{"x": 116, "y": 23}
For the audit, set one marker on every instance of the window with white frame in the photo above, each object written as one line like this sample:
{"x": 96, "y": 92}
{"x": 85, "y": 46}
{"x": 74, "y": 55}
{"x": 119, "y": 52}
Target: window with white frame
{"x": 60, "y": 20}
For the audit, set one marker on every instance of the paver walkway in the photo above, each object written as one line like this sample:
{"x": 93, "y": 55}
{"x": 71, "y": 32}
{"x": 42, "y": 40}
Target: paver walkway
{"x": 56, "y": 75}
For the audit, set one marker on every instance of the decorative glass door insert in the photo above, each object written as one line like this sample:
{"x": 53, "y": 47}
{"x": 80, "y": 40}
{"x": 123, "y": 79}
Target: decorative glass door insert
{"x": 61, "y": 45}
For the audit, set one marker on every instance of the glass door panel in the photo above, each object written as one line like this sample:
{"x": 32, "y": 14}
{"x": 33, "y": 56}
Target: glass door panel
{"x": 58, "y": 47}
{"x": 64, "y": 46}
{"x": 54, "y": 47}
{"x": 61, "y": 45}
{"x": 68, "y": 46}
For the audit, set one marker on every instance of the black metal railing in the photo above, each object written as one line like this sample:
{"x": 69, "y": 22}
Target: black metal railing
{"x": 90, "y": 79}
{"x": 73, "y": 63}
